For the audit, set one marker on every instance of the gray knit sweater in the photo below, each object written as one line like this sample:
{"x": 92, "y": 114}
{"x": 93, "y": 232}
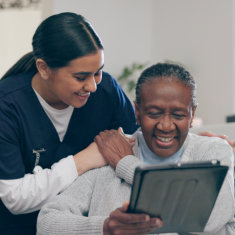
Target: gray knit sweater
{"x": 83, "y": 207}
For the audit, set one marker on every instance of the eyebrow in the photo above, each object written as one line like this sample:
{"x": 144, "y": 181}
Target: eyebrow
{"x": 87, "y": 73}
{"x": 174, "y": 109}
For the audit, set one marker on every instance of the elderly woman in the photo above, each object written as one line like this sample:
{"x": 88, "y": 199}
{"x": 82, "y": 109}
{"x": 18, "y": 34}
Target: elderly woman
{"x": 165, "y": 106}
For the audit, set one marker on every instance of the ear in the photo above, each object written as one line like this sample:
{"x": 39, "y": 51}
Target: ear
{"x": 43, "y": 69}
{"x": 137, "y": 113}
{"x": 193, "y": 114}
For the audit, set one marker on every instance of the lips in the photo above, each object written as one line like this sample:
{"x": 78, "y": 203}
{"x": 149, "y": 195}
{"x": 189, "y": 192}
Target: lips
{"x": 83, "y": 96}
{"x": 164, "y": 142}
{"x": 164, "y": 139}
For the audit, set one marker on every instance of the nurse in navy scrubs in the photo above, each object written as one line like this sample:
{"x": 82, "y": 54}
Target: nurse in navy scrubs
{"x": 53, "y": 102}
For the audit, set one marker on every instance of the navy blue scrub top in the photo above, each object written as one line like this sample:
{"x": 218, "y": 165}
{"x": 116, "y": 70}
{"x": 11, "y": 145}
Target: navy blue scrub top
{"x": 24, "y": 127}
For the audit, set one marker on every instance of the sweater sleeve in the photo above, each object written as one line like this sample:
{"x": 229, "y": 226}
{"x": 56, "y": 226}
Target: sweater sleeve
{"x": 67, "y": 214}
{"x": 29, "y": 193}
{"x": 221, "y": 220}
{"x": 126, "y": 168}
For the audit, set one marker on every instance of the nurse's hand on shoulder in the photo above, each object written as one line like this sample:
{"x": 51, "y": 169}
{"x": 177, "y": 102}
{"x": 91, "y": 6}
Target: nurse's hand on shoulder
{"x": 88, "y": 159}
{"x": 120, "y": 222}
{"x": 114, "y": 145}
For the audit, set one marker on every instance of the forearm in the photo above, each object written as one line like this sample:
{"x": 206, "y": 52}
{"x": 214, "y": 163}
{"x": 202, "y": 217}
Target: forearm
{"x": 67, "y": 213}
{"x": 223, "y": 212}
{"x": 224, "y": 208}
{"x": 29, "y": 193}
{"x": 88, "y": 159}
{"x": 126, "y": 168}
{"x": 63, "y": 223}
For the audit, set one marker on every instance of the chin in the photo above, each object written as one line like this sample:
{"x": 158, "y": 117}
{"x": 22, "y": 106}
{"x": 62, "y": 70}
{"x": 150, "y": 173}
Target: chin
{"x": 164, "y": 154}
{"x": 76, "y": 105}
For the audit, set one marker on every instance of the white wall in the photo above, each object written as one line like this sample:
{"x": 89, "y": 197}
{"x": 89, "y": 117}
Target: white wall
{"x": 125, "y": 27}
{"x": 17, "y": 28}
{"x": 197, "y": 33}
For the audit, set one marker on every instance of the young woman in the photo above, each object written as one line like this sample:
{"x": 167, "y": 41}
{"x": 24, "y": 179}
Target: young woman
{"x": 53, "y": 102}
{"x": 165, "y": 106}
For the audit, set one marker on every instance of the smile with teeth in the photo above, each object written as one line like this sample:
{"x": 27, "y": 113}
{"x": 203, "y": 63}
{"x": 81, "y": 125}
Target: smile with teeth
{"x": 165, "y": 139}
{"x": 86, "y": 94}
{"x": 83, "y": 97}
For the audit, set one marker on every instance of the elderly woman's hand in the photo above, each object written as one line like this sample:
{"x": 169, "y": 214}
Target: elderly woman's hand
{"x": 121, "y": 222}
{"x": 114, "y": 145}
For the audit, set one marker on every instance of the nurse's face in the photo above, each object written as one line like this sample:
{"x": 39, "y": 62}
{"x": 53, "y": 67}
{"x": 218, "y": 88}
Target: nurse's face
{"x": 73, "y": 84}
{"x": 165, "y": 114}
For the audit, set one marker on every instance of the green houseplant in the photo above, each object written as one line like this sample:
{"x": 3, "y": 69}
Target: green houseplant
{"x": 128, "y": 78}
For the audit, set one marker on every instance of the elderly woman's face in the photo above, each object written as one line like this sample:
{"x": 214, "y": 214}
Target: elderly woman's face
{"x": 165, "y": 114}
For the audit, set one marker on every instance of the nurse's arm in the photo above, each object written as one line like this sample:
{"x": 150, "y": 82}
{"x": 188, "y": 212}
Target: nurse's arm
{"x": 31, "y": 192}
{"x": 88, "y": 159}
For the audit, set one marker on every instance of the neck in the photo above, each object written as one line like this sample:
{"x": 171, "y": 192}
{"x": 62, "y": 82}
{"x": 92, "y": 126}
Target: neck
{"x": 41, "y": 86}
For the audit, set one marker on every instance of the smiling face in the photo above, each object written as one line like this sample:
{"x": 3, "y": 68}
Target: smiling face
{"x": 72, "y": 84}
{"x": 165, "y": 114}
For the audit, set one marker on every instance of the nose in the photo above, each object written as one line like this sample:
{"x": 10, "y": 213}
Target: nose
{"x": 165, "y": 124}
{"x": 90, "y": 84}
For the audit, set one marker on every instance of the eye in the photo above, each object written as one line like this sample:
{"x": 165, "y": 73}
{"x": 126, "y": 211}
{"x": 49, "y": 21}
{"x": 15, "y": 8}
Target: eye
{"x": 154, "y": 114}
{"x": 98, "y": 73}
{"x": 80, "y": 79}
{"x": 178, "y": 116}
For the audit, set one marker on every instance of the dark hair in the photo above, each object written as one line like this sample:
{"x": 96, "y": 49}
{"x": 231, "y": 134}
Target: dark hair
{"x": 166, "y": 70}
{"x": 58, "y": 40}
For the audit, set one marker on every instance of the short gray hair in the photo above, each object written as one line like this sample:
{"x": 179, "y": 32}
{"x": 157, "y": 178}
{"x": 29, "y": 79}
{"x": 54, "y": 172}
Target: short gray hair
{"x": 166, "y": 70}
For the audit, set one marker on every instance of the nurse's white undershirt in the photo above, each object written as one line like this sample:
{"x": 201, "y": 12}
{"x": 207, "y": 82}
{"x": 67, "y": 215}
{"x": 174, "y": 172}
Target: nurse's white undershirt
{"x": 31, "y": 192}
{"x": 59, "y": 118}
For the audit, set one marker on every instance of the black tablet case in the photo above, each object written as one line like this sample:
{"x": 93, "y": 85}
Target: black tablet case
{"x": 182, "y": 195}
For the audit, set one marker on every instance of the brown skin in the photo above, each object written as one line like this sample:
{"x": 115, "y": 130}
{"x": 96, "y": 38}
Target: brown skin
{"x": 165, "y": 115}
{"x": 114, "y": 143}
{"x": 120, "y": 222}
{"x": 69, "y": 85}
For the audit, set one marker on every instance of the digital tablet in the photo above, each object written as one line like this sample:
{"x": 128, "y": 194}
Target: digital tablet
{"x": 182, "y": 195}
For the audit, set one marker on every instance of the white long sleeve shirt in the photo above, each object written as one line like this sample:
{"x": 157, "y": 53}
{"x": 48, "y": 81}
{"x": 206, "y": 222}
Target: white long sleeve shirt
{"x": 29, "y": 193}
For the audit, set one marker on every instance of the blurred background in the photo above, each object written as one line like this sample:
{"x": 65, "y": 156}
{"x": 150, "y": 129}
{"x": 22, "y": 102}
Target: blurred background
{"x": 198, "y": 34}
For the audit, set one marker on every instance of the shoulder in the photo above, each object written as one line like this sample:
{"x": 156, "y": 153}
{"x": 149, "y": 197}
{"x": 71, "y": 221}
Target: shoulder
{"x": 107, "y": 79}
{"x": 208, "y": 148}
{"x": 91, "y": 179}
{"x": 206, "y": 142}
{"x": 94, "y": 176}
{"x": 109, "y": 91}
{"x": 12, "y": 84}
{"x": 108, "y": 83}
{"x": 15, "y": 93}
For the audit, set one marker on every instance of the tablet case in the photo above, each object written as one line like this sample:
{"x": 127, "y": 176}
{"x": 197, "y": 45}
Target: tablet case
{"x": 182, "y": 195}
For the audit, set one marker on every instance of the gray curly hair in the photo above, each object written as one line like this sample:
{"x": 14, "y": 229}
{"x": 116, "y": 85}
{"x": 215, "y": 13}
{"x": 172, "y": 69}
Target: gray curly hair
{"x": 166, "y": 70}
